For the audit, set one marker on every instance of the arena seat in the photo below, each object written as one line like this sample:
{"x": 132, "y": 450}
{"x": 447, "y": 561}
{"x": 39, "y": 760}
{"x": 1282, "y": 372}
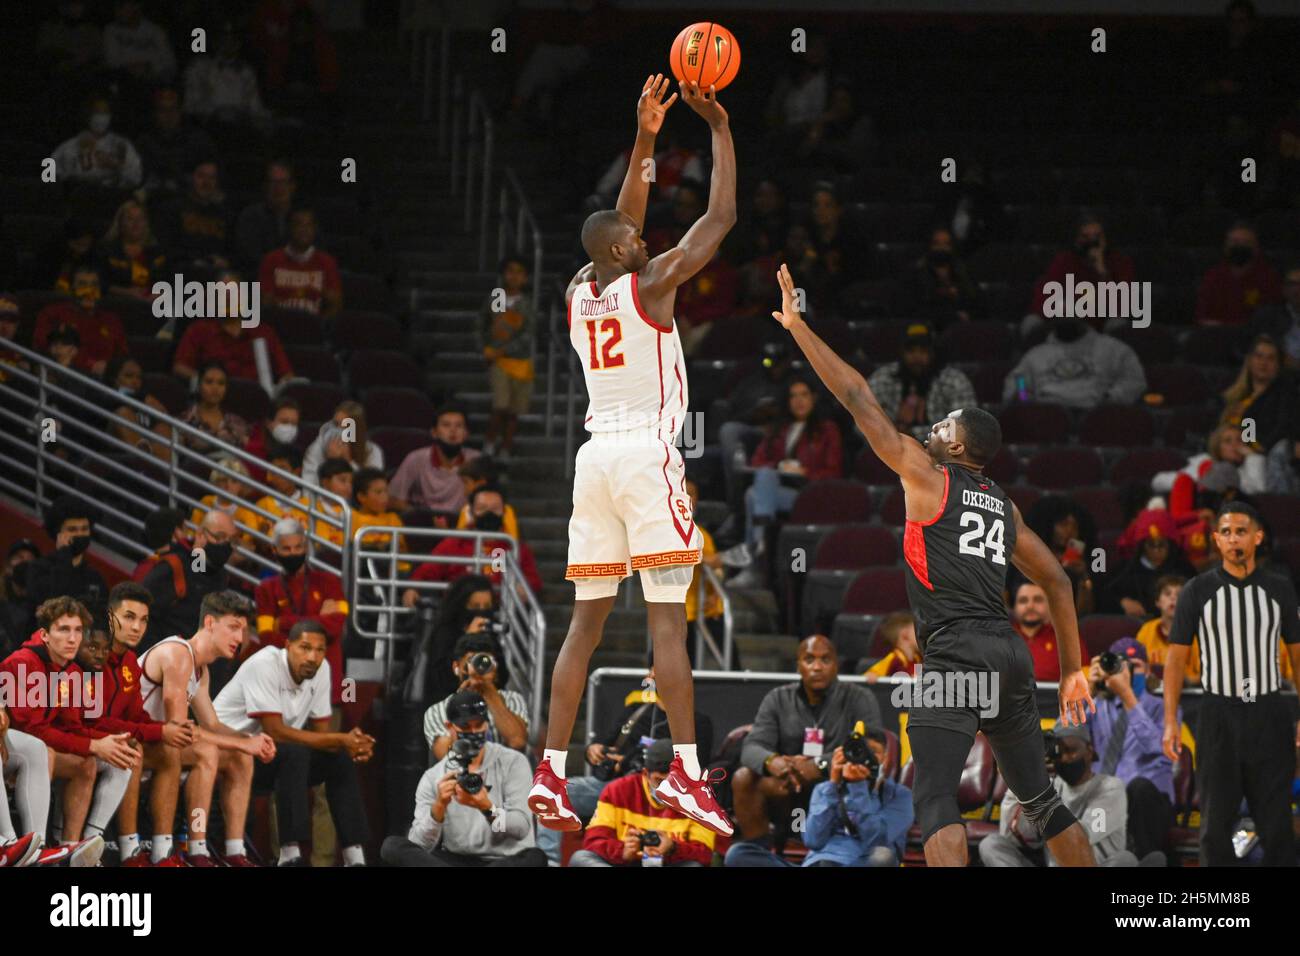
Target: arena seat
{"x": 397, "y": 443}
{"x": 317, "y": 400}
{"x": 1142, "y": 464}
{"x": 973, "y": 793}
{"x": 1099, "y": 631}
{"x": 1123, "y": 426}
{"x": 1023, "y": 497}
{"x": 876, "y": 591}
{"x": 1010, "y": 262}
{"x": 868, "y": 468}
{"x": 979, "y": 341}
{"x": 1102, "y": 502}
{"x": 1189, "y": 427}
{"x": 168, "y": 389}
{"x": 989, "y": 378}
{"x": 881, "y": 339}
{"x": 247, "y": 399}
{"x": 1213, "y": 345}
{"x": 366, "y": 292}
{"x": 1281, "y": 512}
{"x": 1064, "y": 467}
{"x": 398, "y": 408}
{"x": 893, "y": 510}
{"x": 1153, "y": 344}
{"x": 154, "y": 355}
{"x": 1003, "y": 467}
{"x": 1179, "y": 384}
{"x": 354, "y": 330}
{"x": 840, "y": 554}
{"x": 370, "y": 368}
{"x": 294, "y": 326}
{"x": 136, "y": 314}
{"x": 315, "y": 363}
{"x": 853, "y": 635}
{"x": 1034, "y": 423}
{"x": 1203, "y": 226}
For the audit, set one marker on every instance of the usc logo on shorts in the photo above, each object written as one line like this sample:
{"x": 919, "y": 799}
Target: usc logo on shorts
{"x": 683, "y": 510}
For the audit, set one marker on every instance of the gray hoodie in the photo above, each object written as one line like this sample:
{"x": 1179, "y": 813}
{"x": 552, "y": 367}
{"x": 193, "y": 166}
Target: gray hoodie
{"x": 1093, "y": 370}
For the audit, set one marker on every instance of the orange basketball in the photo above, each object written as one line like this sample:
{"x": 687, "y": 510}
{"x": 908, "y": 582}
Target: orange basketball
{"x": 706, "y": 53}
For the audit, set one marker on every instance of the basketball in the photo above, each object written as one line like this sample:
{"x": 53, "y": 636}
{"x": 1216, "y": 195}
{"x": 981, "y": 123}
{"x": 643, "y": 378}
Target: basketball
{"x": 705, "y": 53}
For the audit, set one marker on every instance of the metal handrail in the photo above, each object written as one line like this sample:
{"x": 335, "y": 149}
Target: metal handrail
{"x": 523, "y": 640}
{"x": 480, "y": 147}
{"x": 44, "y": 373}
{"x": 709, "y": 580}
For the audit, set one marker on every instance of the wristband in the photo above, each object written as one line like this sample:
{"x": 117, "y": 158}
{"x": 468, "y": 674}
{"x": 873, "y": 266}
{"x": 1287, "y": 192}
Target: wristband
{"x": 767, "y": 763}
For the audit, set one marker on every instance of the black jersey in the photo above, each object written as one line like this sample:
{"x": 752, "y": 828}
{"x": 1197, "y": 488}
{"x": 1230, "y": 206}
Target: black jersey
{"x": 957, "y": 561}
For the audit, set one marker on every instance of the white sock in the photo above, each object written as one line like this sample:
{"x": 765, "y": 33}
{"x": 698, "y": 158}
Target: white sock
{"x": 289, "y": 852}
{"x": 690, "y": 763}
{"x": 162, "y": 847}
{"x": 354, "y": 856}
{"x": 556, "y": 757}
{"x": 197, "y": 848}
{"x": 234, "y": 848}
{"x": 127, "y": 845}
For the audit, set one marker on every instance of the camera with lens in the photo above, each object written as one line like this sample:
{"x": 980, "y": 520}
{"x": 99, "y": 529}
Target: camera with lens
{"x": 463, "y": 752}
{"x": 857, "y": 752}
{"x": 1111, "y": 663}
{"x": 649, "y": 838}
{"x": 482, "y": 663}
{"x": 493, "y": 626}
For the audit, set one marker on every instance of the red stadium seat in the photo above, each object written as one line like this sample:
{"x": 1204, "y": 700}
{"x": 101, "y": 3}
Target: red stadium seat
{"x": 1003, "y": 468}
{"x": 853, "y": 636}
{"x": 397, "y": 443}
{"x": 1179, "y": 384}
{"x": 832, "y": 501}
{"x": 354, "y": 330}
{"x": 1282, "y": 512}
{"x": 318, "y": 400}
{"x": 1189, "y": 427}
{"x": 168, "y": 389}
{"x": 154, "y": 355}
{"x": 294, "y": 326}
{"x": 978, "y": 341}
{"x": 880, "y": 339}
{"x": 1102, "y": 502}
{"x": 1125, "y": 426}
{"x": 316, "y": 364}
{"x": 870, "y": 469}
{"x": 366, "y": 292}
{"x": 1142, "y": 464}
{"x": 1213, "y": 345}
{"x": 1154, "y": 344}
{"x": 1100, "y": 631}
{"x": 839, "y": 555}
{"x": 893, "y": 510}
{"x": 1064, "y": 467}
{"x": 1034, "y": 423}
{"x": 877, "y": 591}
{"x": 367, "y": 369}
{"x": 398, "y": 408}
{"x": 1023, "y": 497}
{"x": 247, "y": 399}
{"x": 988, "y": 379}
{"x": 136, "y": 314}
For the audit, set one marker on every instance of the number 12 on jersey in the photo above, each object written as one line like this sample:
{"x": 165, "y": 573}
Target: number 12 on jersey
{"x": 604, "y": 357}
{"x": 975, "y": 541}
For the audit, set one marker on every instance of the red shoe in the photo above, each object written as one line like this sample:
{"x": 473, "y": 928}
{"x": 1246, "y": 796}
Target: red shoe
{"x": 53, "y": 856}
{"x": 176, "y": 859}
{"x": 138, "y": 858}
{"x": 549, "y": 800}
{"x": 239, "y": 859}
{"x": 200, "y": 860}
{"x": 694, "y": 798}
{"x": 21, "y": 852}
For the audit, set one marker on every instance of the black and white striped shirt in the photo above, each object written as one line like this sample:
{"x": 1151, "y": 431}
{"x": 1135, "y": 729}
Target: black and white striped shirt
{"x": 1238, "y": 622}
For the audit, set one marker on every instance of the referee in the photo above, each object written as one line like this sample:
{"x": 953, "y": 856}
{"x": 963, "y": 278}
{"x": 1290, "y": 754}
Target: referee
{"x": 1244, "y": 740}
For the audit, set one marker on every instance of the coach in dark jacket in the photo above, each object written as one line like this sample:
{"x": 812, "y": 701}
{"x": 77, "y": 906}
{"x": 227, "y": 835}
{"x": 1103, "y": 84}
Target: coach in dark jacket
{"x": 179, "y": 582}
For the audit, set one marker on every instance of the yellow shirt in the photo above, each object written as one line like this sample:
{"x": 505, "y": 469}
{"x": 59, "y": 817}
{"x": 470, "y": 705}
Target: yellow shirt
{"x": 1149, "y": 636}
{"x": 509, "y": 521}
{"x": 267, "y": 503}
{"x": 323, "y": 530}
{"x": 712, "y": 600}
{"x": 245, "y": 519}
{"x": 380, "y": 541}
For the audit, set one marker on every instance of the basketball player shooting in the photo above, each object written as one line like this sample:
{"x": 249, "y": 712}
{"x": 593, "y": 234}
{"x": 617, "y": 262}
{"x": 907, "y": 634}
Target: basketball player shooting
{"x": 960, "y": 530}
{"x": 630, "y": 507}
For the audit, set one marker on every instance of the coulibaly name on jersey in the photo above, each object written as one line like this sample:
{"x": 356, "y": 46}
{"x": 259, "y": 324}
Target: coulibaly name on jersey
{"x": 978, "y": 499}
{"x": 598, "y": 306}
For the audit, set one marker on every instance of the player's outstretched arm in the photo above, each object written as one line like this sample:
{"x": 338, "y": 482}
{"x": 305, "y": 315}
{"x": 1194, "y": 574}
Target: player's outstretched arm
{"x": 900, "y": 452}
{"x": 701, "y": 241}
{"x": 650, "y": 110}
{"x": 1037, "y": 563}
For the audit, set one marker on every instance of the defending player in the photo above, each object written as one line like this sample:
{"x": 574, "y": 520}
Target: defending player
{"x": 961, "y": 528}
{"x": 630, "y": 507}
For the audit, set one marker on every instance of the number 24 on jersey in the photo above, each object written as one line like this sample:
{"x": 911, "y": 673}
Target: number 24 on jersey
{"x": 977, "y": 542}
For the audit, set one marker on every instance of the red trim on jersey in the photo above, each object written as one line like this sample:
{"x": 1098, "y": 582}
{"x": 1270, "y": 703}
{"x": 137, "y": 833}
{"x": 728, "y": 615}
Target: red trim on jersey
{"x": 568, "y": 309}
{"x": 636, "y": 303}
{"x": 686, "y": 534}
{"x": 265, "y": 713}
{"x": 681, "y": 388}
{"x": 914, "y": 540}
{"x": 659, "y": 354}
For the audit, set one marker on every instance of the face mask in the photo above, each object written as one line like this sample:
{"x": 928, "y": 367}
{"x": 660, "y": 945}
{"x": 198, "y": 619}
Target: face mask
{"x": 1071, "y": 773}
{"x": 488, "y": 521}
{"x": 1085, "y": 247}
{"x": 284, "y": 433}
{"x": 99, "y": 122}
{"x": 218, "y": 555}
{"x": 1139, "y": 684}
{"x": 1240, "y": 255}
{"x": 448, "y": 450}
{"x": 292, "y": 563}
{"x": 78, "y": 545}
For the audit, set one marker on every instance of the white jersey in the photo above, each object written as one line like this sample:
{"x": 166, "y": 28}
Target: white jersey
{"x": 152, "y": 693}
{"x": 634, "y": 368}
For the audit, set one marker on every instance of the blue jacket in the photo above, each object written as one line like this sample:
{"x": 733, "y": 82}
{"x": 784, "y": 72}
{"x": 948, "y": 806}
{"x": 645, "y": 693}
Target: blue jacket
{"x": 882, "y": 819}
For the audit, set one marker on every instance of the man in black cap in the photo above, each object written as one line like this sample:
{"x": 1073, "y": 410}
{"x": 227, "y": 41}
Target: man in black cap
{"x": 918, "y": 387}
{"x": 471, "y": 807}
{"x": 65, "y": 571}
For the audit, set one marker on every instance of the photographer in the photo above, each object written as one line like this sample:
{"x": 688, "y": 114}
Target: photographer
{"x": 480, "y": 667}
{"x": 1098, "y": 802}
{"x": 467, "y": 608}
{"x": 618, "y": 836}
{"x": 470, "y": 807}
{"x": 857, "y": 818}
{"x": 1127, "y": 735}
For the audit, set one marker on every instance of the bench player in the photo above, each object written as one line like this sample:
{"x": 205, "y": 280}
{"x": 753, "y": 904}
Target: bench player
{"x": 961, "y": 531}
{"x": 631, "y": 511}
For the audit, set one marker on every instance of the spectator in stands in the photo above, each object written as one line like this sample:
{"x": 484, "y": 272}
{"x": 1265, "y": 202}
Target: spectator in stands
{"x": 222, "y": 88}
{"x": 179, "y": 582}
{"x": 171, "y": 147}
{"x": 507, "y": 714}
{"x": 300, "y": 276}
{"x": 632, "y": 827}
{"x": 454, "y": 827}
{"x": 280, "y": 429}
{"x": 474, "y": 474}
{"x": 1089, "y": 796}
{"x": 96, "y": 156}
{"x": 1281, "y": 321}
{"x": 137, "y": 48}
{"x": 829, "y": 253}
{"x": 1127, "y": 738}
{"x": 799, "y": 98}
{"x": 1077, "y": 367}
{"x": 920, "y": 385}
{"x": 289, "y": 459}
{"x": 55, "y": 266}
{"x": 302, "y": 593}
{"x": 125, "y": 374}
{"x": 10, "y": 317}
{"x": 757, "y": 243}
{"x": 427, "y": 477}
{"x": 264, "y": 225}
{"x": 687, "y": 206}
{"x": 940, "y": 290}
{"x": 100, "y": 331}
{"x": 164, "y": 529}
{"x": 507, "y": 329}
{"x": 755, "y": 402}
{"x": 1070, "y": 531}
{"x": 1235, "y": 66}
{"x": 279, "y": 691}
{"x": 196, "y": 226}
{"x": 63, "y": 345}
{"x": 487, "y": 508}
{"x": 559, "y": 56}
{"x": 673, "y": 162}
{"x": 784, "y": 754}
{"x": 370, "y": 509}
{"x": 1091, "y": 259}
{"x": 711, "y": 294}
{"x": 712, "y": 599}
{"x": 1239, "y": 283}
{"x": 1284, "y": 466}
{"x": 858, "y": 817}
{"x": 95, "y": 764}
{"x": 1224, "y": 447}
{"x": 207, "y": 412}
{"x": 229, "y": 497}
{"x": 898, "y": 633}
{"x": 972, "y": 209}
{"x": 803, "y": 447}
{"x": 1154, "y": 634}
{"x": 15, "y": 614}
{"x": 1150, "y": 540}
{"x": 467, "y": 607}
{"x": 69, "y": 44}
{"x": 65, "y": 572}
{"x": 1264, "y": 394}
{"x": 334, "y": 476}
{"x": 132, "y": 259}
{"x": 347, "y": 438}
{"x": 842, "y": 138}
{"x": 1029, "y": 619}
{"x": 299, "y": 59}
{"x": 229, "y": 342}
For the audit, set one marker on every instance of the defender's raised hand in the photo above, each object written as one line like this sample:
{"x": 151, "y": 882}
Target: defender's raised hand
{"x": 651, "y": 107}
{"x": 704, "y": 102}
{"x": 789, "y": 313}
